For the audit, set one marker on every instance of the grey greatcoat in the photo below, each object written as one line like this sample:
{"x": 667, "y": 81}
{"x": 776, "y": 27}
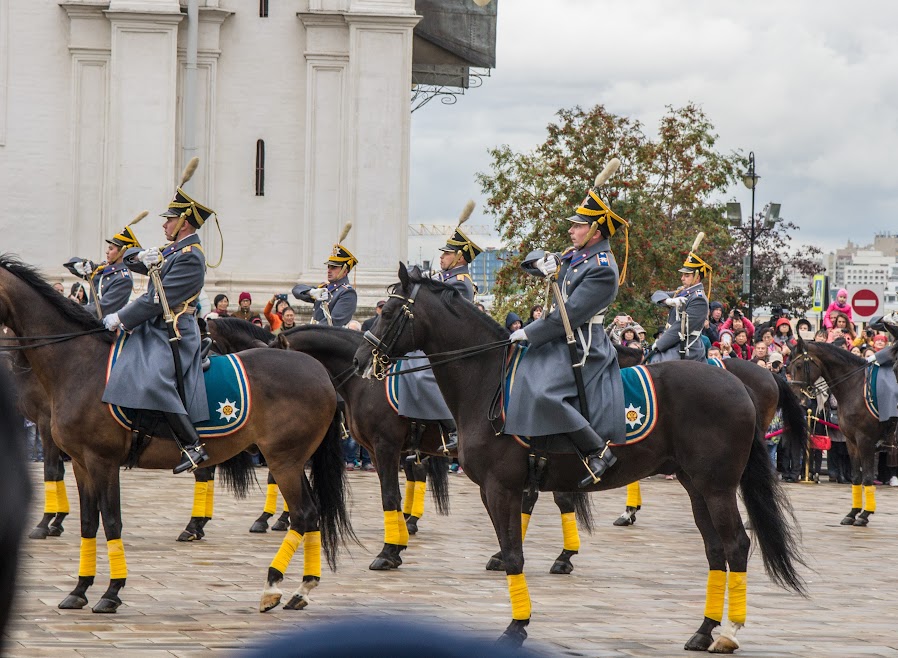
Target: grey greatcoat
{"x": 544, "y": 397}
{"x": 144, "y": 374}
{"x": 695, "y": 312}
{"x": 341, "y": 303}
{"x": 886, "y": 384}
{"x": 419, "y": 394}
{"x": 113, "y": 285}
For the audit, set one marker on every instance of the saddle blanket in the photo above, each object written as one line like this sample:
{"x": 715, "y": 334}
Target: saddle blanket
{"x": 881, "y": 392}
{"x": 227, "y": 395}
{"x": 640, "y": 399}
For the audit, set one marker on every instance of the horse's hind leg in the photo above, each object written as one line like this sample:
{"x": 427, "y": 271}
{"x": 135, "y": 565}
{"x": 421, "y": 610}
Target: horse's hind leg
{"x": 717, "y": 570}
{"x": 634, "y": 504}
{"x": 90, "y": 523}
{"x": 415, "y": 488}
{"x": 291, "y": 487}
{"x": 571, "y": 546}
{"x": 857, "y": 492}
{"x": 869, "y": 474}
{"x": 111, "y": 510}
{"x": 51, "y": 489}
{"x": 201, "y": 501}
{"x": 270, "y": 508}
{"x": 386, "y": 460}
{"x": 311, "y": 551}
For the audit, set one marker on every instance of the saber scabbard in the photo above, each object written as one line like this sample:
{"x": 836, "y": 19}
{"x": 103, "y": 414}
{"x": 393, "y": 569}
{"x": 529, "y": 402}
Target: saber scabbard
{"x": 174, "y": 336}
{"x": 576, "y": 363}
{"x": 96, "y": 298}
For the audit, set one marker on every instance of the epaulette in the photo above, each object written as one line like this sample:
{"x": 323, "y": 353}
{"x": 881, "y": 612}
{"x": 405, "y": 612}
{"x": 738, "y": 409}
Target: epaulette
{"x": 186, "y": 250}
{"x": 602, "y": 258}
{"x": 568, "y": 253}
{"x": 462, "y": 276}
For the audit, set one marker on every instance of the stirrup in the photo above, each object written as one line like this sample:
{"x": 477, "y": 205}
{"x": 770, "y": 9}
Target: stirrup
{"x": 447, "y": 448}
{"x": 191, "y": 465}
{"x": 594, "y": 478}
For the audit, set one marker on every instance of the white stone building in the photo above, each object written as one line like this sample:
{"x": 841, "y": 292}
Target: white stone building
{"x": 302, "y": 117}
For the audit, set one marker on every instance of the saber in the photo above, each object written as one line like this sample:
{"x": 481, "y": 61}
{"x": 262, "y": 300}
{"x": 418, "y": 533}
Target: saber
{"x": 174, "y": 336}
{"x": 93, "y": 291}
{"x": 576, "y": 363}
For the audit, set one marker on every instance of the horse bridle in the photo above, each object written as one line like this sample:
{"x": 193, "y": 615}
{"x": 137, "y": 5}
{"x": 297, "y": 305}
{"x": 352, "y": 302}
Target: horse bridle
{"x": 382, "y": 348}
{"x": 808, "y": 388}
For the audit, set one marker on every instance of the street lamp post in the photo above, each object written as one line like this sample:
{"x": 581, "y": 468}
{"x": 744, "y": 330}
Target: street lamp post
{"x": 751, "y": 182}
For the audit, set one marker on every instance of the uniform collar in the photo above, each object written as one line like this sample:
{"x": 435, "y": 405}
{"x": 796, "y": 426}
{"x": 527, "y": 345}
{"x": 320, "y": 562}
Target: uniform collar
{"x": 683, "y": 292}
{"x": 333, "y": 285}
{"x": 109, "y": 269}
{"x": 193, "y": 238}
{"x": 445, "y": 275}
{"x": 577, "y": 256}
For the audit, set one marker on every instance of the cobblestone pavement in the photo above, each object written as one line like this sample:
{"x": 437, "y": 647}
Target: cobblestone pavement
{"x": 636, "y": 591}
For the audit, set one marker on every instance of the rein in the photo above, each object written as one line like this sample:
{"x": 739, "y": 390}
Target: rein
{"x": 48, "y": 340}
{"x": 813, "y": 390}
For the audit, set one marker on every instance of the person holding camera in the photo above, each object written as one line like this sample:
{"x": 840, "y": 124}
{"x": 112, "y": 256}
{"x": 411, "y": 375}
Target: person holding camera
{"x": 842, "y": 328}
{"x": 274, "y": 312}
{"x": 737, "y": 320}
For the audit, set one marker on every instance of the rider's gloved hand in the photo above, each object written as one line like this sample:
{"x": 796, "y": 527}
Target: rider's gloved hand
{"x": 675, "y": 301}
{"x": 319, "y": 294}
{"x": 518, "y": 336}
{"x": 111, "y": 322}
{"x": 548, "y": 264}
{"x": 871, "y": 358}
{"x": 150, "y": 257}
{"x": 84, "y": 268}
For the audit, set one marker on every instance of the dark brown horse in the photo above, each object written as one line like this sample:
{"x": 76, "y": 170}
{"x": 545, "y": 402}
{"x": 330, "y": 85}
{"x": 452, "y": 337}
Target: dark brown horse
{"x": 843, "y": 373}
{"x": 385, "y": 434}
{"x": 708, "y": 432}
{"x": 73, "y": 374}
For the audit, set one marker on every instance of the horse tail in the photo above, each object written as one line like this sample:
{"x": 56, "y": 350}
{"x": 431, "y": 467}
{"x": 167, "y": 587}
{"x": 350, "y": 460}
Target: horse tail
{"x": 583, "y": 510}
{"x": 772, "y": 518}
{"x": 329, "y": 493}
{"x": 238, "y": 473}
{"x": 438, "y": 471}
{"x": 795, "y": 423}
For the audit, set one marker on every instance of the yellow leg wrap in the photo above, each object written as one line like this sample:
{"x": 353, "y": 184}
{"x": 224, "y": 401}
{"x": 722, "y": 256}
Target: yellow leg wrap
{"x": 634, "y": 495}
{"x": 51, "y": 503}
{"x": 870, "y": 499}
{"x": 199, "y": 499}
{"x": 717, "y": 587}
{"x": 525, "y": 523}
{"x": 311, "y": 553}
{"x": 520, "y": 597}
{"x": 62, "y": 498}
{"x": 285, "y": 553}
{"x": 286, "y": 506}
{"x": 857, "y": 496}
{"x": 418, "y": 505}
{"x": 569, "y": 530}
{"x": 210, "y": 498}
{"x": 271, "y": 499}
{"x": 391, "y": 527}
{"x": 738, "y": 586}
{"x": 118, "y": 568}
{"x": 409, "y": 497}
{"x": 402, "y": 529}
{"x": 87, "y": 565}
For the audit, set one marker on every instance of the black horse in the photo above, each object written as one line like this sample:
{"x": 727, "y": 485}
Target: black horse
{"x": 843, "y": 373}
{"x": 715, "y": 447}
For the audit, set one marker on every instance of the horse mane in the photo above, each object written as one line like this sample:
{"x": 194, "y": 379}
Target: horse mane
{"x": 69, "y": 309}
{"x": 325, "y": 330}
{"x": 448, "y": 296}
{"x": 230, "y": 328}
{"x": 844, "y": 356}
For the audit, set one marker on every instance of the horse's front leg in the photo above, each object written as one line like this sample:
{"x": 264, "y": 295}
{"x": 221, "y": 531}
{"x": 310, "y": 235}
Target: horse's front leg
{"x": 386, "y": 459}
{"x": 90, "y": 523}
{"x": 868, "y": 475}
{"x": 415, "y": 488}
{"x": 111, "y": 510}
{"x": 857, "y": 492}
{"x": 569, "y": 532}
{"x": 203, "y": 500}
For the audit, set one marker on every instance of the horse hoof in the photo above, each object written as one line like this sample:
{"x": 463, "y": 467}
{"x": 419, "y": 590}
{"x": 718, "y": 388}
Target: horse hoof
{"x": 514, "y": 635}
{"x": 625, "y": 520}
{"x": 297, "y": 602}
{"x": 39, "y": 533}
{"x": 259, "y": 526}
{"x": 724, "y": 644}
{"x": 411, "y": 523}
{"x": 55, "y": 530}
{"x": 861, "y": 521}
{"x": 495, "y": 564}
{"x": 280, "y": 525}
{"x": 848, "y": 520}
{"x": 269, "y": 602}
{"x": 187, "y": 535}
{"x": 562, "y": 567}
{"x": 382, "y": 563}
{"x": 699, "y": 642}
{"x": 72, "y": 602}
{"x": 106, "y": 606}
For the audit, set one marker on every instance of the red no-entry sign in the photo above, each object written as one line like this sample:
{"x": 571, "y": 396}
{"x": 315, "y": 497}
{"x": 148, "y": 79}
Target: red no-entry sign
{"x": 866, "y": 302}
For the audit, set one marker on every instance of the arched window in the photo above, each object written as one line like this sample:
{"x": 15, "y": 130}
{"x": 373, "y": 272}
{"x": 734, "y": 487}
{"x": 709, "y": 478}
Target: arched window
{"x": 263, "y": 8}
{"x": 260, "y": 167}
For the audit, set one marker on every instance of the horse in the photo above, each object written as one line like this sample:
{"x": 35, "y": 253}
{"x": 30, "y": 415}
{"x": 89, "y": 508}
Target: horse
{"x": 68, "y": 350}
{"x": 375, "y": 424}
{"x": 770, "y": 393}
{"x": 844, "y": 375}
{"x": 468, "y": 353}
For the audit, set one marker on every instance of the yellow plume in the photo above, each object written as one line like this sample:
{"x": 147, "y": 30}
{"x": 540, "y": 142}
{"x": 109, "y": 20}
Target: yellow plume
{"x": 466, "y": 212}
{"x": 138, "y": 218}
{"x": 607, "y": 172}
{"x": 344, "y": 232}
{"x": 189, "y": 170}
{"x": 698, "y": 241}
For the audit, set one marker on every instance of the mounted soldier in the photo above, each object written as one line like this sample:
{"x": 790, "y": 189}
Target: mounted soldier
{"x": 420, "y": 399}
{"x": 335, "y": 300}
{"x": 110, "y": 283}
{"x": 553, "y": 392}
{"x": 682, "y": 336}
{"x": 146, "y": 374}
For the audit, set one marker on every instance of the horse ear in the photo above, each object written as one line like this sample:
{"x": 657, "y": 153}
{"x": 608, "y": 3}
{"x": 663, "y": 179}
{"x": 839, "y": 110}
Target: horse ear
{"x": 403, "y": 276}
{"x": 799, "y": 343}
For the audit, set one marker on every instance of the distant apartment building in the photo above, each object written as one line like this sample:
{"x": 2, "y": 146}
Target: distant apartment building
{"x": 870, "y": 265}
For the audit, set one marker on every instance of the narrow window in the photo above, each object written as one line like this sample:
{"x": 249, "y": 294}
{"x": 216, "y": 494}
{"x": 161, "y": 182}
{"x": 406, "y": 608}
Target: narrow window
{"x": 260, "y": 167}
{"x": 263, "y": 8}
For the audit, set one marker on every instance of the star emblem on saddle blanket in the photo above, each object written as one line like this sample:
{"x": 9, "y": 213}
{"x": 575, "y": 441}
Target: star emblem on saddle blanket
{"x": 634, "y": 415}
{"x": 228, "y": 410}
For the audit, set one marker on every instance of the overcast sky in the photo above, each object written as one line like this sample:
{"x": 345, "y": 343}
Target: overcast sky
{"x": 810, "y": 87}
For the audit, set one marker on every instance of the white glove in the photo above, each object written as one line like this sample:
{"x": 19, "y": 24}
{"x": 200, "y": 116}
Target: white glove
{"x": 871, "y": 358}
{"x": 518, "y": 336}
{"x": 84, "y": 268}
{"x": 319, "y": 294}
{"x": 675, "y": 301}
{"x": 111, "y": 322}
{"x": 548, "y": 264}
{"x": 149, "y": 257}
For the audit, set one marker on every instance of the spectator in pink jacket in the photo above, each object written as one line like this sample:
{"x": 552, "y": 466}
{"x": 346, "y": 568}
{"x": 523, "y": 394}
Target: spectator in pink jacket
{"x": 738, "y": 321}
{"x": 841, "y": 305}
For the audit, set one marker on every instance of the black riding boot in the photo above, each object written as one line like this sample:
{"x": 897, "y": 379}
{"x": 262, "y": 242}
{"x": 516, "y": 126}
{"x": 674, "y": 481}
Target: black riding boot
{"x": 597, "y": 455}
{"x": 450, "y": 435}
{"x": 192, "y": 452}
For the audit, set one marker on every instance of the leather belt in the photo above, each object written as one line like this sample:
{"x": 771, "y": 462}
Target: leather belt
{"x": 182, "y": 308}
